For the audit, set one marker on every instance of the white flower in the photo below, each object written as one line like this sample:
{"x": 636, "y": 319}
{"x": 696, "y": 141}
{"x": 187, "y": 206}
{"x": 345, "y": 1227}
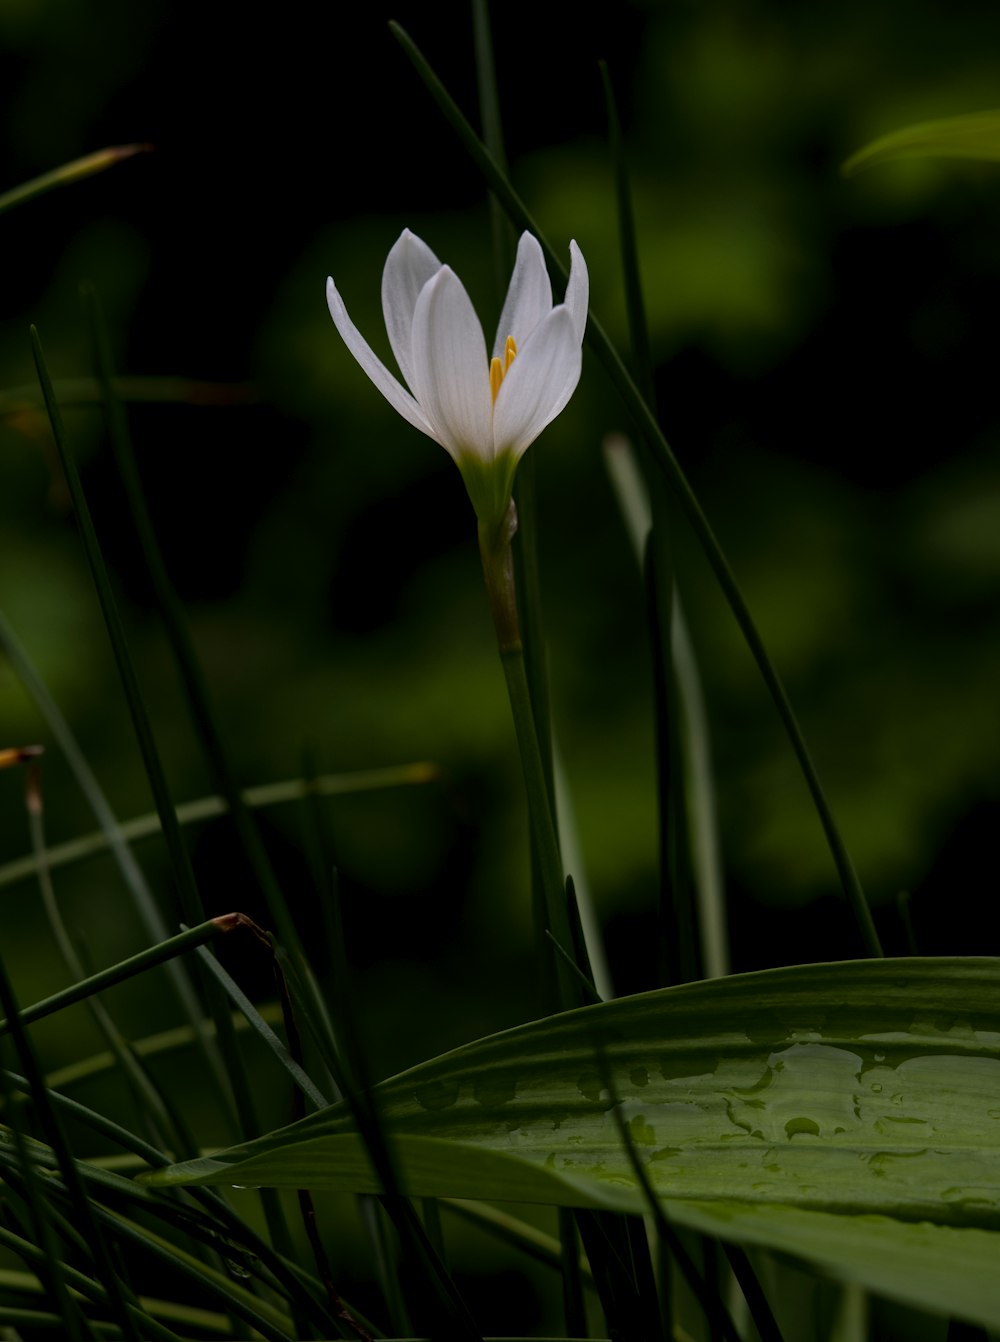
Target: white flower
{"x": 484, "y": 412}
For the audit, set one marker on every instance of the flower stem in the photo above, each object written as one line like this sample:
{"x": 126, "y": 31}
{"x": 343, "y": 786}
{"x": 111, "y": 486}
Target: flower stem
{"x": 498, "y": 569}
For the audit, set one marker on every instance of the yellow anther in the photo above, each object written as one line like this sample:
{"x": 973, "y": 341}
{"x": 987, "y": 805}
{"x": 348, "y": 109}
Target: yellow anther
{"x": 498, "y": 367}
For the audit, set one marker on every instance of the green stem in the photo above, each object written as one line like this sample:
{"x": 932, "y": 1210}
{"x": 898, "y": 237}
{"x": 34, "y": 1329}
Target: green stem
{"x": 498, "y": 570}
{"x": 125, "y": 969}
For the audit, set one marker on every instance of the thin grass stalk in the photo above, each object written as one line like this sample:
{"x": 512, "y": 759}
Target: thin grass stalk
{"x": 258, "y": 1313}
{"x": 285, "y": 1275}
{"x": 376, "y": 1223}
{"x": 706, "y": 859}
{"x": 540, "y": 812}
{"x": 317, "y": 846}
{"x": 257, "y": 1023}
{"x": 349, "y": 1070}
{"x": 291, "y": 1059}
{"x": 573, "y": 1300}
{"x": 164, "y": 1123}
{"x": 656, "y": 443}
{"x": 80, "y": 1203}
{"x": 49, "y": 1271}
{"x": 238, "y": 1102}
{"x": 89, "y": 1289}
{"x": 239, "y": 1301}
{"x": 678, "y": 956}
{"x": 678, "y": 960}
{"x": 179, "y": 634}
{"x": 112, "y": 836}
{"x": 205, "y": 808}
{"x": 187, "y": 890}
{"x": 688, "y": 810}
{"x": 492, "y": 122}
{"x": 716, "y": 1314}
{"x": 641, "y": 1261}
{"x": 757, "y": 1302}
{"x": 198, "y": 699}
{"x": 145, "y": 1046}
{"x": 118, "y": 973}
{"x": 518, "y": 1234}
{"x": 606, "y": 1246}
{"x": 74, "y": 171}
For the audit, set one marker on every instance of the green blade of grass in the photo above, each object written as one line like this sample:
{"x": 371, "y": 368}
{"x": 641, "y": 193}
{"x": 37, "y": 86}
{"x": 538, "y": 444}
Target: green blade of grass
{"x": 70, "y": 172}
{"x": 124, "y": 969}
{"x": 656, "y": 443}
{"x": 50, "y": 1276}
{"x": 298, "y": 1288}
{"x": 120, "y": 834}
{"x": 702, "y": 811}
{"x": 973, "y": 136}
{"x": 90, "y": 1290}
{"x": 164, "y": 1122}
{"x": 837, "y": 1112}
{"x": 198, "y": 700}
{"x": 678, "y": 958}
{"x": 83, "y": 1213}
{"x": 147, "y": 1046}
{"x": 179, "y": 633}
{"x": 257, "y": 1023}
{"x": 345, "y": 1059}
{"x": 235, "y": 1095}
{"x": 187, "y": 890}
{"x": 111, "y": 834}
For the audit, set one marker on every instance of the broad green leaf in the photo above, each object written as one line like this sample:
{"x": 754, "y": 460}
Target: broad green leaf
{"x": 849, "y": 1113}
{"x": 974, "y": 136}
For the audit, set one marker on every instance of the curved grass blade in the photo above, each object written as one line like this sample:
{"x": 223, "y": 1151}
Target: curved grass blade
{"x": 164, "y": 1123}
{"x": 285, "y": 1277}
{"x": 207, "y": 808}
{"x": 124, "y": 969}
{"x": 664, "y": 459}
{"x": 50, "y": 1277}
{"x": 90, "y": 1290}
{"x": 679, "y": 954}
{"x": 70, "y": 172}
{"x": 146, "y": 1046}
{"x": 841, "y": 1113}
{"x": 973, "y": 136}
{"x": 257, "y": 1023}
{"x": 702, "y": 812}
{"x": 111, "y": 836}
{"x": 187, "y": 890}
{"x": 83, "y": 1213}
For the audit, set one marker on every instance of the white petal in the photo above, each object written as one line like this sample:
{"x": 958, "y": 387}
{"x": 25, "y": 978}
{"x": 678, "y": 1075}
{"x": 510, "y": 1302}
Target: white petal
{"x": 397, "y": 396}
{"x": 541, "y": 380}
{"x": 408, "y": 267}
{"x": 529, "y": 296}
{"x": 578, "y": 291}
{"x": 451, "y": 374}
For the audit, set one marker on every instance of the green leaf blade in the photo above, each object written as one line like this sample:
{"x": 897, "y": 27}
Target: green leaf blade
{"x": 811, "y": 1109}
{"x": 974, "y": 136}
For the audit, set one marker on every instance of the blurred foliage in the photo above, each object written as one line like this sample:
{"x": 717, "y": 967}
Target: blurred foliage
{"x": 825, "y": 368}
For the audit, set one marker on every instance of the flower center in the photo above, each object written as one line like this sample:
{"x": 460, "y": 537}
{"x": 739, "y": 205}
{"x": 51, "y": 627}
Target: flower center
{"x": 499, "y": 367}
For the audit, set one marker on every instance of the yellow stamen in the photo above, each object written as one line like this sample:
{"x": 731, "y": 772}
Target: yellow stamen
{"x": 499, "y": 368}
